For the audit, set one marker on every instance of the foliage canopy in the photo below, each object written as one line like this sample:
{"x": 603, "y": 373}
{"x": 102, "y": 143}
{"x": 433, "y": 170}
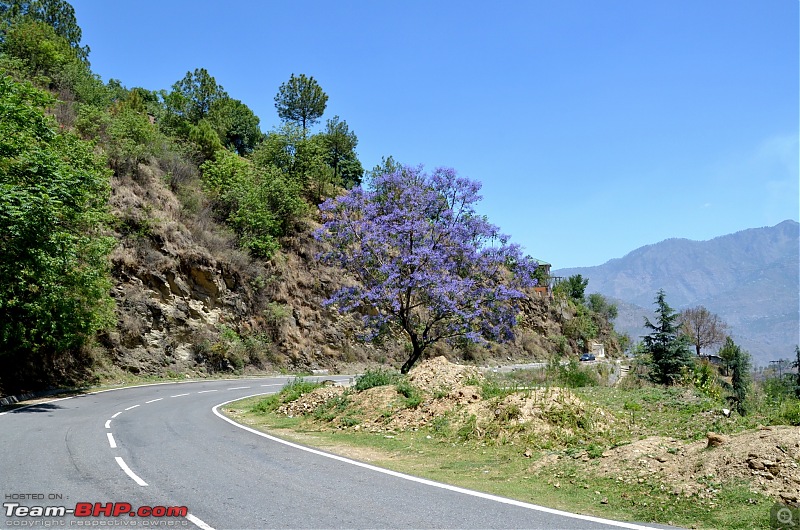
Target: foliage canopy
{"x": 54, "y": 262}
{"x": 301, "y": 100}
{"x": 426, "y": 264}
{"x": 666, "y": 345}
{"x": 58, "y": 14}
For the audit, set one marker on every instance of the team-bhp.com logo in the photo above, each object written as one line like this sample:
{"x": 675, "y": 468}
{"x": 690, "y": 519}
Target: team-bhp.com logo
{"x": 94, "y": 509}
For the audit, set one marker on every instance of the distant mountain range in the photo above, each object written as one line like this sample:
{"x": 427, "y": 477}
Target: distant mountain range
{"x": 750, "y": 279}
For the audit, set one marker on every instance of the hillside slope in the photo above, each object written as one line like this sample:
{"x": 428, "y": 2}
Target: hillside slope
{"x": 749, "y": 278}
{"x": 189, "y": 301}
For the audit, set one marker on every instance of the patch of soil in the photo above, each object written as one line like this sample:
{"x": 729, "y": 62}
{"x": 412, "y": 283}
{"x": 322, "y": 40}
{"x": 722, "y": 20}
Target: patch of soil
{"x": 768, "y": 459}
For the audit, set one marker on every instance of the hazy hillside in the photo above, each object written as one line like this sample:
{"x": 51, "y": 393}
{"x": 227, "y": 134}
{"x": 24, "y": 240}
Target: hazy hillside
{"x": 749, "y": 278}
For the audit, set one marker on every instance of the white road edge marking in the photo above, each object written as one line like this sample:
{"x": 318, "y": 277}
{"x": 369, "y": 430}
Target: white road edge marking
{"x": 198, "y": 522}
{"x": 117, "y": 414}
{"x": 275, "y": 384}
{"x": 133, "y": 407}
{"x": 239, "y": 388}
{"x": 111, "y": 441}
{"x": 487, "y": 496}
{"x": 108, "y": 424}
{"x": 128, "y": 471}
{"x": 179, "y": 395}
{"x": 153, "y": 401}
{"x": 206, "y": 391}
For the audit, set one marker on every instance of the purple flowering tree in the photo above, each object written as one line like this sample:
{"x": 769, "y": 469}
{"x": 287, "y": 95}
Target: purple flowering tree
{"x": 425, "y": 264}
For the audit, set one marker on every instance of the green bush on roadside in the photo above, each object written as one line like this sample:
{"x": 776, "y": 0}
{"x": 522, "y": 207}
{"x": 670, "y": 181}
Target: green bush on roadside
{"x": 412, "y": 395}
{"x": 372, "y": 378}
{"x": 290, "y": 392}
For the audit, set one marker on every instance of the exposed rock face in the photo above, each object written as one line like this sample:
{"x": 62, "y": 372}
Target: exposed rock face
{"x": 188, "y": 301}
{"x": 165, "y": 314}
{"x": 179, "y": 282}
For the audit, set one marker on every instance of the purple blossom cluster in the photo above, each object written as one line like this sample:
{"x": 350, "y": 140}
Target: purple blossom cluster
{"x": 425, "y": 262}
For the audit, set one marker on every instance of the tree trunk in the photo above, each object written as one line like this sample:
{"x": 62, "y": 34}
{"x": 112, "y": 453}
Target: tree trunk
{"x": 415, "y": 355}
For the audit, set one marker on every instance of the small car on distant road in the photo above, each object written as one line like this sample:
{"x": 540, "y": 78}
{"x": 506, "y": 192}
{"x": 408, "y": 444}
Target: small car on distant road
{"x": 587, "y": 357}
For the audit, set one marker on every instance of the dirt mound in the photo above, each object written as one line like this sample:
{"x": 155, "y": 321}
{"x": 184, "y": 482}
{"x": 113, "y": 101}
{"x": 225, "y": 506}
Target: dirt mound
{"x": 546, "y": 409}
{"x": 440, "y": 395}
{"x": 309, "y": 402}
{"x": 768, "y": 459}
{"x": 439, "y": 374}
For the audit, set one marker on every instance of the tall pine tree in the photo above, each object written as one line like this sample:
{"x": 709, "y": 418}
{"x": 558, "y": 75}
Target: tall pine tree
{"x": 740, "y": 373}
{"x": 667, "y": 346}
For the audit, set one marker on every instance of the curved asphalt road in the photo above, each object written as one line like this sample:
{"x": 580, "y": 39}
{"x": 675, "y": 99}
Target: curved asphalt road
{"x": 163, "y": 445}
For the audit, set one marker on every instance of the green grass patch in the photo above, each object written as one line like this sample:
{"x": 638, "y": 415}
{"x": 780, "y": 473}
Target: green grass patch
{"x": 465, "y": 459}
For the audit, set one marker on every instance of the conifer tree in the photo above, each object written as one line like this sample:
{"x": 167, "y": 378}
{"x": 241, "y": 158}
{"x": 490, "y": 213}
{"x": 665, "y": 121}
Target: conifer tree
{"x": 740, "y": 373}
{"x": 301, "y": 100}
{"x": 667, "y": 347}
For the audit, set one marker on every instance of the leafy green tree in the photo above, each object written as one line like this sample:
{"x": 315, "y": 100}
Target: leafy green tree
{"x": 602, "y": 307}
{"x": 58, "y": 14}
{"x": 41, "y": 50}
{"x": 205, "y": 138}
{"x": 667, "y": 347}
{"x": 279, "y": 149}
{"x": 260, "y": 204}
{"x": 387, "y": 166}
{"x": 191, "y": 99}
{"x": 54, "y": 265}
{"x": 301, "y": 100}
{"x": 340, "y": 144}
{"x": 574, "y": 288}
{"x": 137, "y": 99}
{"x": 581, "y": 327}
{"x": 32, "y": 50}
{"x": 235, "y": 124}
{"x": 740, "y": 373}
{"x": 301, "y": 159}
{"x": 132, "y": 140}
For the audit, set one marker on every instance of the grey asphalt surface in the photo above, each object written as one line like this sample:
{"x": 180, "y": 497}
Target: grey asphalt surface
{"x": 227, "y": 477}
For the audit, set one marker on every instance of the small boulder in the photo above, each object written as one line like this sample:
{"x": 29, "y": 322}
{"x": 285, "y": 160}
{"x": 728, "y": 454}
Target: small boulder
{"x": 715, "y": 440}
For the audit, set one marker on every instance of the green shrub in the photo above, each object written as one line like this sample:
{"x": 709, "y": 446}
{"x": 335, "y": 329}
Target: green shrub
{"x": 788, "y": 413}
{"x": 372, "y": 378}
{"x": 268, "y": 404}
{"x": 260, "y": 204}
{"x": 349, "y": 421}
{"x": 469, "y": 430}
{"x": 595, "y": 451}
{"x": 291, "y": 391}
{"x": 412, "y": 395}
{"x": 441, "y": 424}
{"x": 704, "y": 378}
{"x": 332, "y": 407}
{"x": 572, "y": 375}
{"x": 295, "y": 388}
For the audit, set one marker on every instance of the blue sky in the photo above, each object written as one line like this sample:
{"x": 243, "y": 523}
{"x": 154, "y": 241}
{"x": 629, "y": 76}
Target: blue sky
{"x": 595, "y": 127}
